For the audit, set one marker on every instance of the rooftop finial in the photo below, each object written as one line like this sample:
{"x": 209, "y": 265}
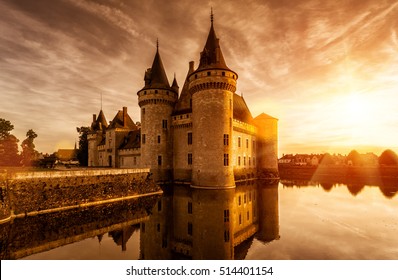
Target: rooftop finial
{"x": 157, "y": 44}
{"x": 211, "y": 15}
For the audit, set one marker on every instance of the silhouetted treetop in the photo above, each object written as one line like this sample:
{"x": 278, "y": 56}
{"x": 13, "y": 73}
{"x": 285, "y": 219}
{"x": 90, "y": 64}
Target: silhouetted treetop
{"x": 388, "y": 157}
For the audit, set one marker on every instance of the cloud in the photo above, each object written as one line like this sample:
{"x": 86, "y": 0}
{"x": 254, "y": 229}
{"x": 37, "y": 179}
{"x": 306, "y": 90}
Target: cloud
{"x": 292, "y": 57}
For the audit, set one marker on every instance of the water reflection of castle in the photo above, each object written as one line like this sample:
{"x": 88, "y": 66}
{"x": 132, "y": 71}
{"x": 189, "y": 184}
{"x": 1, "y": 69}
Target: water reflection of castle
{"x": 211, "y": 224}
{"x": 188, "y": 223}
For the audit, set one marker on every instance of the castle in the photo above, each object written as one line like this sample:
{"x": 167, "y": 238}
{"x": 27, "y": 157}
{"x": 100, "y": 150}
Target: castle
{"x": 204, "y": 136}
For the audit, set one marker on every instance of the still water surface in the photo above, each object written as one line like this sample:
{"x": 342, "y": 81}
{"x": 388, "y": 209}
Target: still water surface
{"x": 281, "y": 220}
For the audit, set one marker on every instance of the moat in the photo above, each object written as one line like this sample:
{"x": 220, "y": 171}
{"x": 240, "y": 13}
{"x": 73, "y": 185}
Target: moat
{"x": 257, "y": 220}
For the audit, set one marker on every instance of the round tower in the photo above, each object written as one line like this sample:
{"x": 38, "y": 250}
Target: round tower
{"x": 156, "y": 100}
{"x": 212, "y": 86}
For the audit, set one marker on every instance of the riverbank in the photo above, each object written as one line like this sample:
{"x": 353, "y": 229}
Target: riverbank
{"x": 378, "y": 175}
{"x": 37, "y": 192}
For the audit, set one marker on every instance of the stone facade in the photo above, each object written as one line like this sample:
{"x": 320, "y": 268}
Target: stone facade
{"x": 205, "y": 135}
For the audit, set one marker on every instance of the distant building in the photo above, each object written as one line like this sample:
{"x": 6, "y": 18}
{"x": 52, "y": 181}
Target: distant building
{"x": 66, "y": 155}
{"x": 205, "y": 135}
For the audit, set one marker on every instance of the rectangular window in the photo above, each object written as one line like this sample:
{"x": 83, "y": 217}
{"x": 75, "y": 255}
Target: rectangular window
{"x": 250, "y": 196}
{"x": 143, "y": 138}
{"x": 164, "y": 124}
{"x": 226, "y": 139}
{"x": 240, "y": 219}
{"x": 189, "y": 228}
{"x": 164, "y": 242}
{"x": 248, "y": 215}
{"x": 244, "y": 198}
{"x": 226, "y": 235}
{"x": 254, "y": 145}
{"x": 239, "y": 142}
{"x": 239, "y": 201}
{"x": 158, "y": 139}
{"x": 226, "y": 215}
{"x": 158, "y": 227}
{"x": 159, "y": 160}
{"x": 244, "y": 161}
{"x": 238, "y": 161}
{"x": 189, "y": 207}
{"x": 247, "y": 143}
{"x": 254, "y": 161}
{"x": 226, "y": 159}
{"x": 250, "y": 161}
{"x": 189, "y": 138}
{"x": 189, "y": 159}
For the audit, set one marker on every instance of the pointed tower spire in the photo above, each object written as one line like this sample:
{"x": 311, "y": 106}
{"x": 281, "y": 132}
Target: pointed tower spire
{"x": 211, "y": 56}
{"x": 155, "y": 77}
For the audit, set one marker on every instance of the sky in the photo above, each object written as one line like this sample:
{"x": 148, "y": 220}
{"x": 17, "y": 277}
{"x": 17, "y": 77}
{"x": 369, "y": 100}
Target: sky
{"x": 328, "y": 70}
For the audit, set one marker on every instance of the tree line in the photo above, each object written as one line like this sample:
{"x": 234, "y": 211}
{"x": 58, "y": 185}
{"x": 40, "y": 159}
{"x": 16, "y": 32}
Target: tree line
{"x": 9, "y": 153}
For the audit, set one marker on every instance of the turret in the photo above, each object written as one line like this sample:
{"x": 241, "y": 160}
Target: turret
{"x": 157, "y": 100}
{"x": 212, "y": 86}
{"x": 267, "y": 146}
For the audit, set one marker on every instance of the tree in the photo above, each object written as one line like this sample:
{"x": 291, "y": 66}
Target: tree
{"x": 29, "y": 153}
{"x": 388, "y": 157}
{"x": 8, "y": 145}
{"x": 354, "y": 157}
{"x": 82, "y": 152}
{"x": 5, "y": 128}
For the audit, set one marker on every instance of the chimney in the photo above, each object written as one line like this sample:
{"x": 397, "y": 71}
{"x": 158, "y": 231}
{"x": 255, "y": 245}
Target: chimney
{"x": 94, "y": 117}
{"x": 124, "y": 116}
{"x": 191, "y": 66}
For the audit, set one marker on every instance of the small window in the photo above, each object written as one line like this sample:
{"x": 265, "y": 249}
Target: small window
{"x": 167, "y": 93}
{"x": 159, "y": 160}
{"x": 158, "y": 139}
{"x": 189, "y": 207}
{"x": 164, "y": 124}
{"x": 223, "y": 73}
{"x": 158, "y": 227}
{"x": 208, "y": 73}
{"x": 226, "y": 235}
{"x": 159, "y": 205}
{"x": 250, "y": 161}
{"x": 156, "y": 91}
{"x": 244, "y": 198}
{"x": 189, "y": 228}
{"x": 244, "y": 161}
{"x": 239, "y": 144}
{"x": 189, "y": 159}
{"x": 189, "y": 138}
{"x": 196, "y": 76}
{"x": 226, "y": 159}
{"x": 239, "y": 161}
{"x": 239, "y": 200}
{"x": 248, "y": 215}
{"x": 240, "y": 219}
{"x": 247, "y": 143}
{"x": 226, "y": 139}
{"x": 143, "y": 138}
{"x": 226, "y": 216}
{"x": 144, "y": 92}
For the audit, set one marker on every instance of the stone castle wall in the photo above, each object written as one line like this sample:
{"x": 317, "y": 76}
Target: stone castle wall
{"x": 26, "y": 194}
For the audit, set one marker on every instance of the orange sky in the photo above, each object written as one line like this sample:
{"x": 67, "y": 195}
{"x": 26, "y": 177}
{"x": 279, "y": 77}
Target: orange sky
{"x": 326, "y": 69}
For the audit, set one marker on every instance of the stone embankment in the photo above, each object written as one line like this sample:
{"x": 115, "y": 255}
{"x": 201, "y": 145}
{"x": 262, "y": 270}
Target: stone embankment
{"x": 31, "y": 193}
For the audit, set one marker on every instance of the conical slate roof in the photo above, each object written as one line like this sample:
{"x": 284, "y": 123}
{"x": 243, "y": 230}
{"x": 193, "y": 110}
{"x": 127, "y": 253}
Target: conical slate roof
{"x": 211, "y": 57}
{"x": 155, "y": 77}
{"x": 100, "y": 123}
